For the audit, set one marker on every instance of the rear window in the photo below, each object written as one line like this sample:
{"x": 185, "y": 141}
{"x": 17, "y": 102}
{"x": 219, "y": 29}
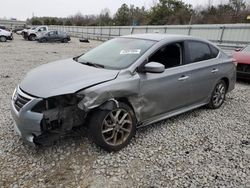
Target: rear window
{"x": 198, "y": 51}
{"x": 214, "y": 51}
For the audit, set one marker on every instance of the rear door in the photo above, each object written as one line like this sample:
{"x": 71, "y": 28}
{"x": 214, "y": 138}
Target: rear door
{"x": 202, "y": 64}
{"x": 57, "y": 36}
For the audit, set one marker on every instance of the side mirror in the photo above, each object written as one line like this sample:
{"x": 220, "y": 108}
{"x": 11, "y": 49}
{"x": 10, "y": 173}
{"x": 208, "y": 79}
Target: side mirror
{"x": 154, "y": 67}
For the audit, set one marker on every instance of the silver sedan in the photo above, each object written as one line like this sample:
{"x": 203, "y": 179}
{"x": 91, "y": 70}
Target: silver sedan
{"x": 125, "y": 83}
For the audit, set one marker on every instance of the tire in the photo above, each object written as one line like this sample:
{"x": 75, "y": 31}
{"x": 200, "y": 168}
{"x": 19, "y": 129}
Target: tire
{"x": 218, "y": 95}
{"x": 3, "y": 39}
{"x": 32, "y": 37}
{"x": 43, "y": 40}
{"x": 65, "y": 40}
{"x": 105, "y": 130}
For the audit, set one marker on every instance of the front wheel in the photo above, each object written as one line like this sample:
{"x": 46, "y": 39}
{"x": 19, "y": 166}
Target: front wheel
{"x": 3, "y": 39}
{"x": 218, "y": 95}
{"x": 42, "y": 40}
{"x": 32, "y": 37}
{"x": 113, "y": 129}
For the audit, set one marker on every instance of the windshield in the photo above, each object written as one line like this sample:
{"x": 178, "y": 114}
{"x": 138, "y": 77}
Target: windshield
{"x": 246, "y": 49}
{"x": 117, "y": 53}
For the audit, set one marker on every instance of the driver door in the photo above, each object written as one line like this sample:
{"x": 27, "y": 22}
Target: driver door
{"x": 167, "y": 91}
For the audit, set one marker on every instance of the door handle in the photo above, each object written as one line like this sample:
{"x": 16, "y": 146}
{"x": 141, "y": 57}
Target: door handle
{"x": 183, "y": 78}
{"x": 214, "y": 70}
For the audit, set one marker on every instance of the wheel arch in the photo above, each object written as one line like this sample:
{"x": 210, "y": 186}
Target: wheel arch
{"x": 114, "y": 102}
{"x": 226, "y": 80}
{"x": 126, "y": 101}
{"x": 31, "y": 34}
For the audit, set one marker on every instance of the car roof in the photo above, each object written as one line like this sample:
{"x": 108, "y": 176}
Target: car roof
{"x": 160, "y": 37}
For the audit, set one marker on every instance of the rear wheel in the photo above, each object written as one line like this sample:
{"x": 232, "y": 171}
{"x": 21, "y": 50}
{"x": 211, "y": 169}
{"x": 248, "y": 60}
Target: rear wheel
{"x": 3, "y": 39}
{"x": 218, "y": 95}
{"x": 65, "y": 40}
{"x": 113, "y": 129}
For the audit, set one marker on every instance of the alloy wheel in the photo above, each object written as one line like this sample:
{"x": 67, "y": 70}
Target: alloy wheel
{"x": 219, "y": 94}
{"x": 117, "y": 127}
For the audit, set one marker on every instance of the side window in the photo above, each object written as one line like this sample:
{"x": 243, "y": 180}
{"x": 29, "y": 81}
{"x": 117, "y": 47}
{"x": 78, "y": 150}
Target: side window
{"x": 169, "y": 55}
{"x": 42, "y": 29}
{"x": 198, "y": 51}
{"x": 52, "y": 33}
{"x": 214, "y": 51}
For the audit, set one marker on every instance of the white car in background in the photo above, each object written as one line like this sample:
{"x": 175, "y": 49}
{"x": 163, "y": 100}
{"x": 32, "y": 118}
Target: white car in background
{"x": 5, "y": 35}
{"x": 32, "y": 34}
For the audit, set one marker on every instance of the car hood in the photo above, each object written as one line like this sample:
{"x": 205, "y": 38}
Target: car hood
{"x": 64, "y": 77}
{"x": 242, "y": 57}
{"x": 31, "y": 31}
{"x": 6, "y": 33}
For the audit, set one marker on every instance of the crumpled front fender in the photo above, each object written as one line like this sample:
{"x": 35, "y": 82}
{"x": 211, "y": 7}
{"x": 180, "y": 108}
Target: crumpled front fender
{"x": 124, "y": 87}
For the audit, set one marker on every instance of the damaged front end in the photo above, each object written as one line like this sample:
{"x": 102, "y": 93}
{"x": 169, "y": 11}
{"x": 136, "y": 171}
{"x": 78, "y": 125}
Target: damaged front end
{"x": 60, "y": 115}
{"x": 42, "y": 121}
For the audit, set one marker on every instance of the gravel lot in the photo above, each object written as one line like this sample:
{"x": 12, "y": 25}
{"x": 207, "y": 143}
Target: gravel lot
{"x": 202, "y": 148}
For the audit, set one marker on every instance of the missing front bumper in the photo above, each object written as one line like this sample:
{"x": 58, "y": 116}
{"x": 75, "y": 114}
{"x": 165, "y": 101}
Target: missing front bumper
{"x": 43, "y": 126}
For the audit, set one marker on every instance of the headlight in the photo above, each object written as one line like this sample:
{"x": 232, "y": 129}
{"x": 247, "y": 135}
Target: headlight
{"x": 56, "y": 102}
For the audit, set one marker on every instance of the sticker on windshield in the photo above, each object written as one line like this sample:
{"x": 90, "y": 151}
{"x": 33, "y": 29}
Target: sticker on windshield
{"x": 132, "y": 51}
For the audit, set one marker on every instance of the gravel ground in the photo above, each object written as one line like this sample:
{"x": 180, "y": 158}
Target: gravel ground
{"x": 201, "y": 148}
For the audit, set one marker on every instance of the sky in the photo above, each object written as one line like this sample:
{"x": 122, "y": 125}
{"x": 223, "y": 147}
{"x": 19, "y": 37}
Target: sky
{"x": 23, "y": 9}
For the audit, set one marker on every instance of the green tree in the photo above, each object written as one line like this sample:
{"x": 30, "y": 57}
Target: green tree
{"x": 138, "y": 16}
{"x": 169, "y": 11}
{"x": 53, "y": 21}
{"x": 59, "y": 22}
{"x": 36, "y": 21}
{"x": 104, "y": 18}
{"x": 46, "y": 21}
{"x": 68, "y": 22}
{"x": 122, "y": 16}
